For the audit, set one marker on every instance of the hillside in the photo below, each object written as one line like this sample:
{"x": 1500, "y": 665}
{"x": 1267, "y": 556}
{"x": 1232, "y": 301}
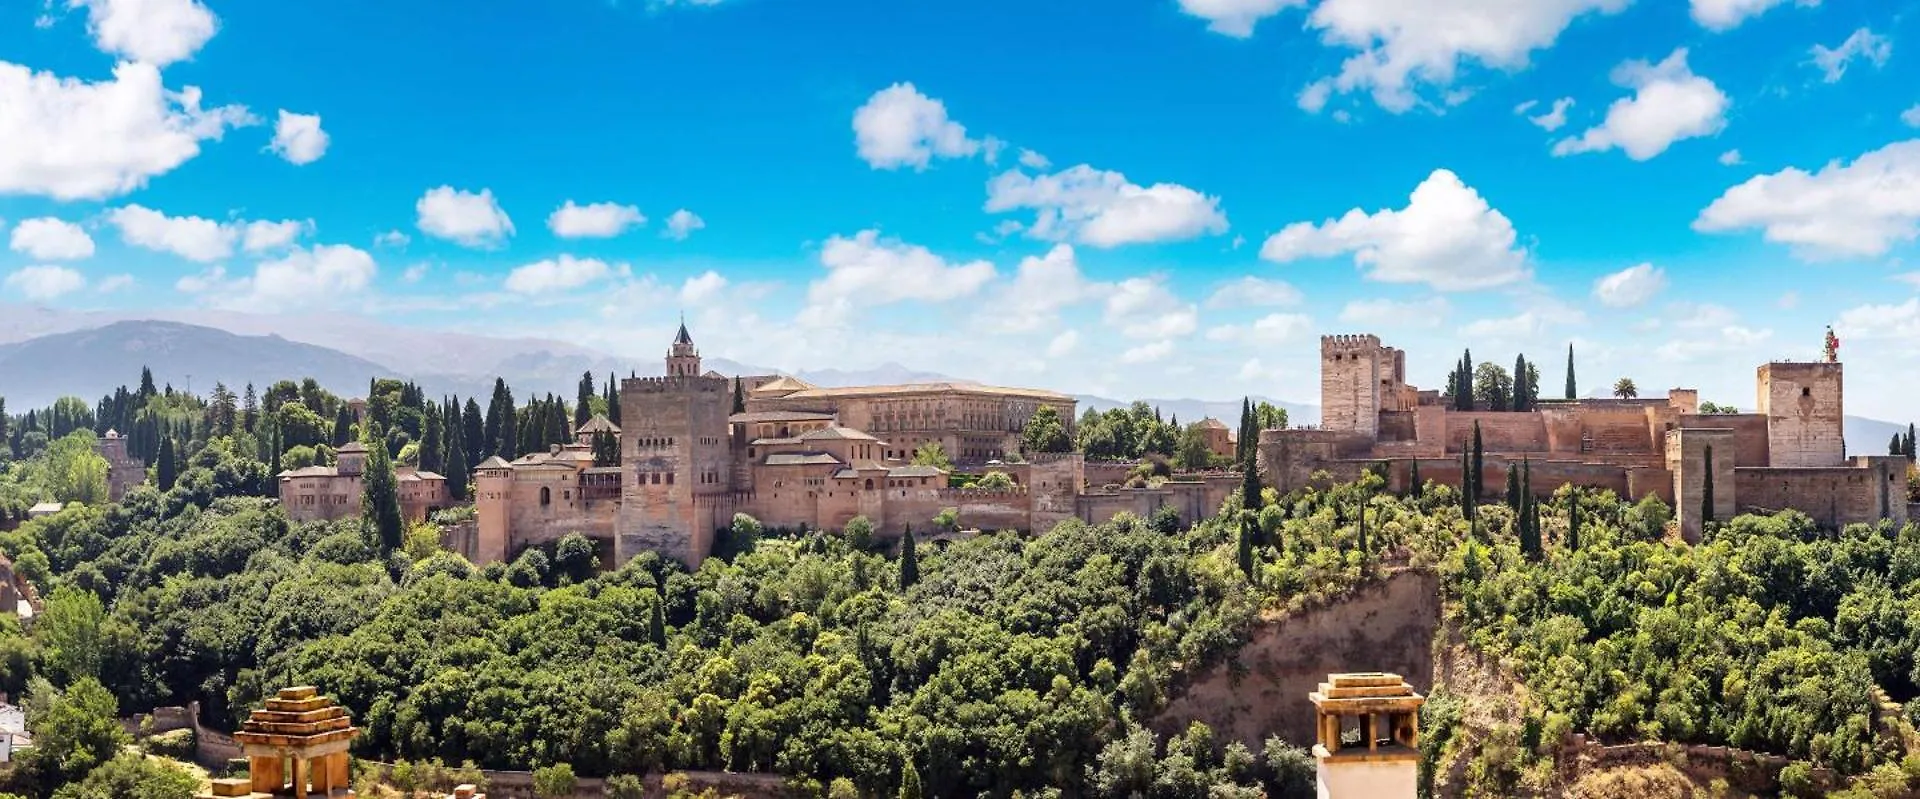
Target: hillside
{"x": 90, "y": 362}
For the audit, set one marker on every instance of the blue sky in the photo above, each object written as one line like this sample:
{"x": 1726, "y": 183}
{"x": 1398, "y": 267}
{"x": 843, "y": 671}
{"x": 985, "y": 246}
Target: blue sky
{"x": 1133, "y": 199}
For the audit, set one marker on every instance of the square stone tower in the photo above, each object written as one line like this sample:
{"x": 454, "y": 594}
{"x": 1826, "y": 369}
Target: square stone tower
{"x": 1805, "y": 414}
{"x": 1358, "y": 379}
{"x": 678, "y": 457}
{"x": 1694, "y": 453}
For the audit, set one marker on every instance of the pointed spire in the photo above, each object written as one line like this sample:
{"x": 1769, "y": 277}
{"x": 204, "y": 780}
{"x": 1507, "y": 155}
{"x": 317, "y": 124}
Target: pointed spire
{"x": 683, "y": 337}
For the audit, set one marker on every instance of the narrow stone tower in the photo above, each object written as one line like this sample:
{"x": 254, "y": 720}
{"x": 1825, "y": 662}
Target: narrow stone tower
{"x": 1805, "y": 413}
{"x": 683, "y": 359}
{"x": 1385, "y": 762}
{"x": 493, "y": 510}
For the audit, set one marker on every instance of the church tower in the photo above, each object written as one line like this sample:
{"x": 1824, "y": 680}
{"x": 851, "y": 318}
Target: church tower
{"x": 683, "y": 359}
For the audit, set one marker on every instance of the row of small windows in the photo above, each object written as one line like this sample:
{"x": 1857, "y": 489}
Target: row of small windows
{"x": 653, "y": 478}
{"x": 654, "y": 442}
{"x": 709, "y": 478}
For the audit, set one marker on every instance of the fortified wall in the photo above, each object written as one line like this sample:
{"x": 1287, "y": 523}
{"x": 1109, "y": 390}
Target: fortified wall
{"x": 1790, "y": 453}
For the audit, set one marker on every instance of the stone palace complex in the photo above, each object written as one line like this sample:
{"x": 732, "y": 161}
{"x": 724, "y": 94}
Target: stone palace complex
{"x": 801, "y": 456}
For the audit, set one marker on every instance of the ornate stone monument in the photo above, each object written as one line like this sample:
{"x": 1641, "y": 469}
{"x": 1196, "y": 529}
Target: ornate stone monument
{"x": 1385, "y": 762}
{"x": 296, "y": 746}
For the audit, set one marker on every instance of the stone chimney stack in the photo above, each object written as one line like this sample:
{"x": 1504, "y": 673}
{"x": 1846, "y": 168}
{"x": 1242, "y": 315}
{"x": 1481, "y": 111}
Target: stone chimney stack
{"x": 1385, "y": 762}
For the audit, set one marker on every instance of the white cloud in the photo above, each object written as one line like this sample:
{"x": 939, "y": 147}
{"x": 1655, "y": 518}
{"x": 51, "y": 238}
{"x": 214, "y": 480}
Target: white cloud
{"x": 43, "y": 283}
{"x": 1894, "y": 322}
{"x": 1554, "y": 119}
{"x": 1862, "y": 44}
{"x": 1669, "y": 103}
{"x": 115, "y": 283}
{"x": 71, "y": 139}
{"x": 158, "y": 32}
{"x": 683, "y": 223}
{"x": 597, "y": 221}
{"x": 1033, "y": 160}
{"x": 1147, "y": 353}
{"x": 701, "y": 288}
{"x": 264, "y": 236}
{"x": 1102, "y": 209}
{"x": 1856, "y": 209}
{"x": 1525, "y": 325}
{"x": 1911, "y": 116}
{"x": 1063, "y": 344}
{"x": 866, "y": 270}
{"x": 299, "y": 138}
{"x": 558, "y": 274}
{"x": 1235, "y": 18}
{"x": 1144, "y": 308}
{"x": 463, "y": 217}
{"x": 1730, "y": 158}
{"x": 1630, "y": 286}
{"x": 1272, "y": 329}
{"x": 416, "y": 272}
{"x": 301, "y": 278}
{"x": 1429, "y": 312}
{"x": 50, "y": 239}
{"x": 191, "y": 237}
{"x": 898, "y": 126}
{"x": 1041, "y": 286}
{"x": 1714, "y": 345}
{"x": 1447, "y": 237}
{"x": 1403, "y": 44}
{"x": 392, "y": 238}
{"x": 1723, "y": 15}
{"x": 1252, "y": 291}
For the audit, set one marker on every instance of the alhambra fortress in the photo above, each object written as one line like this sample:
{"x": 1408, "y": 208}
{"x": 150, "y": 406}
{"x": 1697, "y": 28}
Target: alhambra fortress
{"x": 805, "y": 457}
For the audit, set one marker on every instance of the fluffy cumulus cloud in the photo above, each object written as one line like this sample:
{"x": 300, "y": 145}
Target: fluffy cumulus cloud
{"x": 1846, "y": 209}
{"x": 1402, "y": 45}
{"x": 1425, "y": 313}
{"x": 72, "y": 139}
{"x": 1669, "y": 103}
{"x": 1063, "y": 344}
{"x": 299, "y": 138}
{"x": 1861, "y": 45}
{"x": 1731, "y": 158}
{"x": 1552, "y": 119}
{"x": 1630, "y": 286}
{"x": 900, "y": 127}
{"x": 1272, "y": 329}
{"x": 1144, "y": 308}
{"x": 43, "y": 283}
{"x": 1147, "y": 353}
{"x": 264, "y": 236}
{"x": 866, "y": 271}
{"x": 595, "y": 221}
{"x": 1447, "y": 237}
{"x": 1103, "y": 209}
{"x": 1254, "y": 292}
{"x": 300, "y": 278}
{"x": 683, "y": 223}
{"x": 50, "y": 239}
{"x": 1911, "y": 116}
{"x": 1041, "y": 286}
{"x": 1235, "y": 18}
{"x": 1722, "y": 15}
{"x": 463, "y": 217}
{"x": 191, "y": 237}
{"x": 559, "y": 274}
{"x": 157, "y": 32}
{"x": 1893, "y": 321}
{"x": 702, "y": 288}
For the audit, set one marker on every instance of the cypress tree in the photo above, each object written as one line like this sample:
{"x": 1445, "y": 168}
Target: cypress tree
{"x": 1513, "y": 489}
{"x": 1910, "y": 453}
{"x": 909, "y": 562}
{"x": 380, "y": 497}
{"x": 1363, "y": 527}
{"x": 1898, "y": 446}
{"x": 1248, "y": 529}
{"x": 166, "y": 469}
{"x": 278, "y": 450}
{"x": 1466, "y": 381}
{"x": 1250, "y": 487}
{"x": 657, "y": 625}
{"x": 1479, "y": 464}
{"x": 1521, "y": 391}
{"x": 457, "y": 467}
{"x": 1573, "y": 521}
{"x": 1572, "y": 392}
{"x": 249, "y": 409}
{"x": 1529, "y": 517}
{"x": 342, "y": 427}
{"x": 613, "y": 399}
{"x": 1418, "y": 490}
{"x": 431, "y": 447}
{"x": 739, "y": 397}
{"x": 1706, "y": 489}
{"x": 556, "y": 422}
{"x": 583, "y": 404}
{"x": 508, "y": 446}
{"x": 473, "y": 432}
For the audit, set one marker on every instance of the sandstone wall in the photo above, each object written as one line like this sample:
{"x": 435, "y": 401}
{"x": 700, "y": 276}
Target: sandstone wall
{"x": 1804, "y": 409}
{"x": 1834, "y": 497}
{"x": 675, "y": 429}
{"x": 1499, "y": 431}
{"x": 1387, "y": 626}
{"x": 1749, "y": 435}
{"x": 1687, "y": 453}
{"x": 1105, "y": 473}
{"x": 1288, "y": 458}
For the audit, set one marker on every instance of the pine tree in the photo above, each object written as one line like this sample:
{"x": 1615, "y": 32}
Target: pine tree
{"x": 1573, "y": 521}
{"x": 342, "y": 427}
{"x": 457, "y": 466}
{"x": 1572, "y": 388}
{"x": 909, "y": 562}
{"x": 166, "y": 469}
{"x": 583, "y": 404}
{"x": 1706, "y": 489}
{"x": 657, "y": 625}
{"x": 380, "y": 494}
{"x": 249, "y": 409}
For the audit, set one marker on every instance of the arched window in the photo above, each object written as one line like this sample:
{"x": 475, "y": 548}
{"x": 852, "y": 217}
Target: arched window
{"x": 869, "y": 484}
{"x": 546, "y": 495}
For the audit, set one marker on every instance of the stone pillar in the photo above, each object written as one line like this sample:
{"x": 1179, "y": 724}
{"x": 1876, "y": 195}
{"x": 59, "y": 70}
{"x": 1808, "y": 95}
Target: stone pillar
{"x": 267, "y": 773}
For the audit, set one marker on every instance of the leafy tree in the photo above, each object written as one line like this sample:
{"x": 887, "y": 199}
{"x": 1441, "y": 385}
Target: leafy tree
{"x": 1193, "y": 453}
{"x": 70, "y": 633}
{"x": 933, "y": 454}
{"x": 995, "y": 481}
{"x": 1267, "y": 416}
{"x": 858, "y": 533}
{"x": 380, "y": 494}
{"x": 909, "y": 781}
{"x": 300, "y": 426}
{"x": 1045, "y": 432}
{"x": 625, "y": 786}
{"x": 72, "y": 471}
{"x": 74, "y": 731}
{"x": 1572, "y": 387}
{"x": 554, "y": 782}
{"x": 1625, "y": 389}
{"x": 130, "y": 775}
{"x": 1493, "y": 387}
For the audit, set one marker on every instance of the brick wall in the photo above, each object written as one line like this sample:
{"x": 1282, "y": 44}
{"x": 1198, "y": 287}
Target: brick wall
{"x": 1499, "y": 431}
{"x": 1749, "y": 434}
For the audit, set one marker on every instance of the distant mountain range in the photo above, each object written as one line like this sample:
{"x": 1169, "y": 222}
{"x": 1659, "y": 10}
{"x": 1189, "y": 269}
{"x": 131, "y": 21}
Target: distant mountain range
{"x": 46, "y": 354}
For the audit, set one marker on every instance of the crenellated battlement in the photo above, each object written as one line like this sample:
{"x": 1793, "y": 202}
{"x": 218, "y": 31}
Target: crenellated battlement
{"x": 663, "y": 385}
{"x": 1349, "y": 342}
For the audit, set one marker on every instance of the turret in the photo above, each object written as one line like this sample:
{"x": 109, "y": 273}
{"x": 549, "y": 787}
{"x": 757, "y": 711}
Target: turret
{"x": 683, "y": 359}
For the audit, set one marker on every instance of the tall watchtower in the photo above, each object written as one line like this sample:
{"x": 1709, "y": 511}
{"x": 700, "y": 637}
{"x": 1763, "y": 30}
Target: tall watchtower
{"x": 1805, "y": 413}
{"x": 677, "y": 456}
{"x": 1358, "y": 379}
